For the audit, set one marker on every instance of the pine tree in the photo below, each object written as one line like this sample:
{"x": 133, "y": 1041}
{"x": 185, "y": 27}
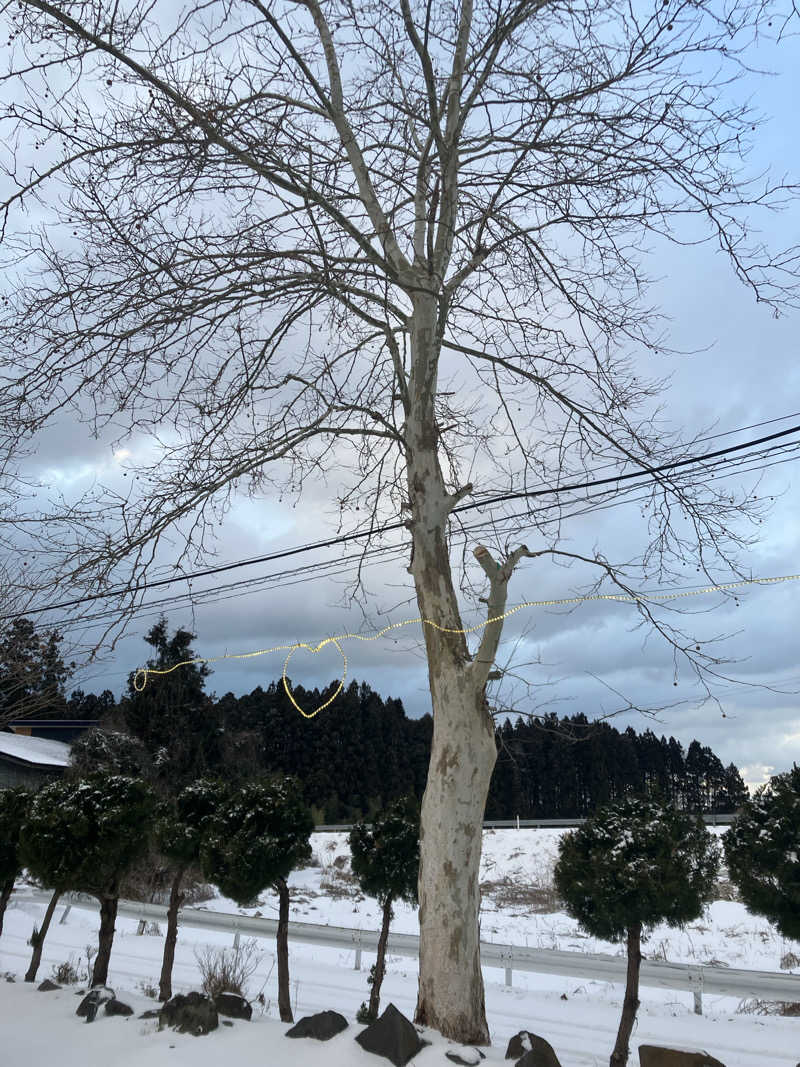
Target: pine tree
{"x": 14, "y": 807}
{"x": 109, "y": 752}
{"x": 632, "y": 865}
{"x": 385, "y": 860}
{"x": 172, "y": 715}
{"x": 255, "y": 840}
{"x": 85, "y": 836}
{"x": 180, "y": 828}
{"x": 762, "y": 851}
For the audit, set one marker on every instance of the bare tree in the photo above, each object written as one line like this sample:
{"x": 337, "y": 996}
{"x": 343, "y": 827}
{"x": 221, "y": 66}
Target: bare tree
{"x": 399, "y": 240}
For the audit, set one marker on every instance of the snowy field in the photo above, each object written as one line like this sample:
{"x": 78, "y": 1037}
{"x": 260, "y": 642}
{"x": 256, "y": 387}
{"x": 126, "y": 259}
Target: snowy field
{"x": 578, "y": 1017}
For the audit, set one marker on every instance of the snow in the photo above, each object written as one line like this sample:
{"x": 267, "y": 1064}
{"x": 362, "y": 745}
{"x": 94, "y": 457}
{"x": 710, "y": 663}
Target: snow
{"x": 579, "y": 1018}
{"x": 39, "y": 750}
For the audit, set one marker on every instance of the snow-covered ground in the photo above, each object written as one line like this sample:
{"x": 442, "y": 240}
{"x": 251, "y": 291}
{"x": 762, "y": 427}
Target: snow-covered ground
{"x": 578, "y": 1017}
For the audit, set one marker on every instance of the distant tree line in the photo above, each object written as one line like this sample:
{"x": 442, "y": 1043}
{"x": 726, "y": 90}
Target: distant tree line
{"x": 564, "y": 767}
{"x": 362, "y": 752}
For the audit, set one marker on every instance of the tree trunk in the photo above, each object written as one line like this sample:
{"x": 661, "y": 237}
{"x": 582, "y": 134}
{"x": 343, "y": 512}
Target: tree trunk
{"x": 619, "y": 1057}
{"x": 175, "y": 901}
{"x": 5, "y": 896}
{"x": 282, "y": 940}
{"x": 38, "y": 938}
{"x": 108, "y": 916}
{"x": 463, "y": 753}
{"x": 380, "y": 962}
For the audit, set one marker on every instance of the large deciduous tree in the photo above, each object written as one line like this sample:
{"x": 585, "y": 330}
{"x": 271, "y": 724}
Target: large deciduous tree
{"x": 401, "y": 241}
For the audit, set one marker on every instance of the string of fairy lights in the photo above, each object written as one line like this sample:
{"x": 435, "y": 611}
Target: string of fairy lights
{"x": 142, "y": 675}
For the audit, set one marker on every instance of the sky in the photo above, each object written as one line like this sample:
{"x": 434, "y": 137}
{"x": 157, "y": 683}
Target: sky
{"x": 591, "y": 657}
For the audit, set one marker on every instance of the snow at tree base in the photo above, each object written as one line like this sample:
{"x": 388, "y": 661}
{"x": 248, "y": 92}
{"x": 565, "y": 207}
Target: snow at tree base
{"x": 518, "y": 907}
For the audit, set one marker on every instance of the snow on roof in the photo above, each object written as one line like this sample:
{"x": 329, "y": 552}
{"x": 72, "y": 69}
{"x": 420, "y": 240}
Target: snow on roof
{"x": 38, "y": 750}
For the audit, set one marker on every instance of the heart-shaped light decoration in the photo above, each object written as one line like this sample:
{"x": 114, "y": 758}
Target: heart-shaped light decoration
{"x": 313, "y": 649}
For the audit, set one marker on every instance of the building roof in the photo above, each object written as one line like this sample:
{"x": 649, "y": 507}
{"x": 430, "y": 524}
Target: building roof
{"x": 53, "y": 724}
{"x": 34, "y": 750}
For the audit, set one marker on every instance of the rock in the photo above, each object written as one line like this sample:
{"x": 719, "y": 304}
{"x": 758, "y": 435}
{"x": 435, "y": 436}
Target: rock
{"x": 541, "y": 1055}
{"x": 227, "y": 1022}
{"x": 534, "y": 1050}
{"x": 151, "y": 1013}
{"x": 662, "y": 1056}
{"x": 465, "y": 1055}
{"x": 322, "y": 1026}
{"x": 192, "y": 1013}
{"x": 392, "y": 1036}
{"x": 47, "y": 986}
{"x": 117, "y": 1007}
{"x": 233, "y": 1005}
{"x": 10, "y": 978}
{"x": 87, "y": 1009}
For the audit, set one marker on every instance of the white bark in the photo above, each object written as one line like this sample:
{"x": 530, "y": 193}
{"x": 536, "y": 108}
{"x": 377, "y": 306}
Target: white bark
{"x": 463, "y": 754}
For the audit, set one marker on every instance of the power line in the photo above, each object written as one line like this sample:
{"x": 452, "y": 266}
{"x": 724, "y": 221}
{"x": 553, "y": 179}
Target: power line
{"x": 326, "y": 568}
{"x": 369, "y": 557}
{"x": 390, "y": 527}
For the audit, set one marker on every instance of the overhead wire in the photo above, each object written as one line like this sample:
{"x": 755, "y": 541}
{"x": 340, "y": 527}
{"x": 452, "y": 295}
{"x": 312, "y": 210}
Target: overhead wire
{"x": 377, "y": 554}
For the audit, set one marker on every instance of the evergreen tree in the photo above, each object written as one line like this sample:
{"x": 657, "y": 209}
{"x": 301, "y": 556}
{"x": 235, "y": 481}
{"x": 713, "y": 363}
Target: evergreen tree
{"x": 14, "y": 806}
{"x": 734, "y": 793}
{"x": 89, "y": 706}
{"x": 762, "y": 851}
{"x": 385, "y": 860}
{"x": 85, "y": 836}
{"x": 632, "y": 865}
{"x": 108, "y": 752}
{"x": 180, "y": 828}
{"x": 172, "y": 715}
{"x": 33, "y": 673}
{"x": 256, "y": 839}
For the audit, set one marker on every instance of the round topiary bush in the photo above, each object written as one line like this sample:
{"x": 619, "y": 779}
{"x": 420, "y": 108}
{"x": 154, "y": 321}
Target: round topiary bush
{"x": 762, "y": 851}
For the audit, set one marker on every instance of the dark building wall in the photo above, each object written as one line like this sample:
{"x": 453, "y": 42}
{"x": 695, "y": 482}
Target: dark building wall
{"x": 65, "y": 730}
{"x": 33, "y": 776}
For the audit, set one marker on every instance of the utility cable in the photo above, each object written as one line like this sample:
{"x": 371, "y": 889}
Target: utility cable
{"x": 369, "y": 556}
{"x": 389, "y": 527}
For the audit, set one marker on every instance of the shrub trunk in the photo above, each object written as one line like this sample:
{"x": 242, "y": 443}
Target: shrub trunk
{"x": 380, "y": 962}
{"x": 282, "y": 940}
{"x": 108, "y": 916}
{"x": 37, "y": 940}
{"x": 5, "y": 896}
{"x": 175, "y": 901}
{"x": 619, "y": 1057}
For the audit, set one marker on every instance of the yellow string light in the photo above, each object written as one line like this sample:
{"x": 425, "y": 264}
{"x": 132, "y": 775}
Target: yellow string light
{"x": 142, "y": 674}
